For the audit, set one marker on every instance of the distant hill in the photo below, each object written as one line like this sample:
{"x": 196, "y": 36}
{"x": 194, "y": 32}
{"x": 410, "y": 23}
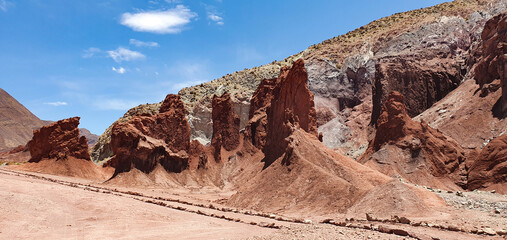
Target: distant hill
{"x": 17, "y": 123}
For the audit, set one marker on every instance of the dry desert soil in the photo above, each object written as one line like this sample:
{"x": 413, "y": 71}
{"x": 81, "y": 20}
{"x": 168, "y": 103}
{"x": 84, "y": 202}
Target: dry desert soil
{"x": 40, "y": 206}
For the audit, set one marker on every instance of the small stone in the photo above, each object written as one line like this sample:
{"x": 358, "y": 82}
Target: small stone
{"x": 489, "y": 231}
{"x": 497, "y": 211}
{"x": 453, "y": 228}
{"x": 459, "y": 194}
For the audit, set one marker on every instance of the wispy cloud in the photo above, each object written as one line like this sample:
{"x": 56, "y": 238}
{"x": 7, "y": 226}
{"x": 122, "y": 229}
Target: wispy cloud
{"x": 214, "y": 15}
{"x": 119, "y": 70}
{"x": 162, "y": 22}
{"x": 90, "y": 52}
{"x": 215, "y": 18}
{"x": 115, "y": 104}
{"x": 4, "y": 5}
{"x": 138, "y": 43}
{"x": 56, "y": 104}
{"x": 125, "y": 54}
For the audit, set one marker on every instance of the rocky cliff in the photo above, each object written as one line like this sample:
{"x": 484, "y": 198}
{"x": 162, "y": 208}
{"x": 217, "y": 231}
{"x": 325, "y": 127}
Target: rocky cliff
{"x": 414, "y": 151}
{"x": 225, "y": 125}
{"x": 490, "y": 70}
{"x": 291, "y": 106}
{"x": 341, "y": 72}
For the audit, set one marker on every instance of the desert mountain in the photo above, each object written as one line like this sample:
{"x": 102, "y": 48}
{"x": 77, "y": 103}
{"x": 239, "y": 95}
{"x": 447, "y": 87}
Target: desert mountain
{"x": 17, "y": 123}
{"x": 351, "y": 75}
{"x": 289, "y": 170}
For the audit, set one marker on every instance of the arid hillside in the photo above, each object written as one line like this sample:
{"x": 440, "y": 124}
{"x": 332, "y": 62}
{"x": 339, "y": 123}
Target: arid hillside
{"x": 342, "y": 72}
{"x": 17, "y": 124}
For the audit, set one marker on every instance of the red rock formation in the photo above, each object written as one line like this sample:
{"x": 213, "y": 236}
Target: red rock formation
{"x": 148, "y": 140}
{"x": 262, "y": 96}
{"x": 291, "y": 106}
{"x": 58, "y": 141}
{"x": 423, "y": 78}
{"x": 225, "y": 125}
{"x": 256, "y": 129}
{"x": 491, "y": 63}
{"x": 413, "y": 150}
{"x": 489, "y": 169}
{"x": 198, "y": 158}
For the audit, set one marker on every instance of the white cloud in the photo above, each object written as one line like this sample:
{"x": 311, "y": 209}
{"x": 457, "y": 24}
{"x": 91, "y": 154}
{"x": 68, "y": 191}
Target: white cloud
{"x": 119, "y": 70}
{"x": 138, "y": 43}
{"x": 90, "y": 52}
{"x": 215, "y": 18}
{"x": 169, "y": 21}
{"x": 125, "y": 54}
{"x": 56, "y": 104}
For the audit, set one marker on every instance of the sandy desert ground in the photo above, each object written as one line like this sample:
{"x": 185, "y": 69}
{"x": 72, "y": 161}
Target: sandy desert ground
{"x": 39, "y": 206}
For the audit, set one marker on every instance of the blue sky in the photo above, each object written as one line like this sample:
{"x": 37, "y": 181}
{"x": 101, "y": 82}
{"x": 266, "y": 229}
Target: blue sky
{"x": 96, "y": 59}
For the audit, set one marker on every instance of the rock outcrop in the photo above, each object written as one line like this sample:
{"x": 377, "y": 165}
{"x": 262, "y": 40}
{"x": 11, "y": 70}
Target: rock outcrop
{"x": 414, "y": 151}
{"x": 225, "y": 125}
{"x": 423, "y": 78}
{"x": 291, "y": 106}
{"x": 491, "y": 70}
{"x": 198, "y": 155}
{"x": 102, "y": 149}
{"x": 59, "y": 140}
{"x": 256, "y": 130}
{"x": 146, "y": 141}
{"x": 489, "y": 169}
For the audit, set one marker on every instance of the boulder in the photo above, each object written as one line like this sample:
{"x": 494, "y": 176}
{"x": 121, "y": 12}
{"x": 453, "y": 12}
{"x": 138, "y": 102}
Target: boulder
{"x": 59, "y": 140}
